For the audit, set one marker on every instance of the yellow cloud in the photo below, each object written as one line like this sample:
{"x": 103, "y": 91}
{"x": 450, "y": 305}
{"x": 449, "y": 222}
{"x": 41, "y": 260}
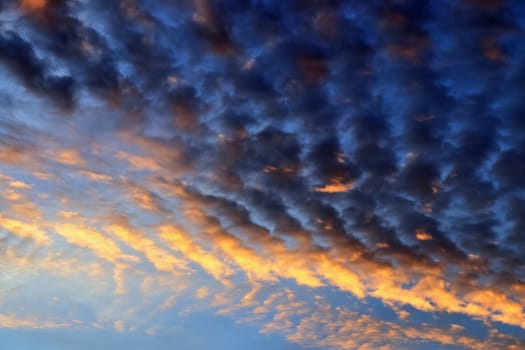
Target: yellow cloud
{"x": 23, "y": 229}
{"x": 273, "y": 260}
{"x": 202, "y": 292}
{"x": 90, "y": 239}
{"x": 67, "y": 214}
{"x": 339, "y": 275}
{"x": 19, "y": 184}
{"x": 160, "y": 258}
{"x": 180, "y": 241}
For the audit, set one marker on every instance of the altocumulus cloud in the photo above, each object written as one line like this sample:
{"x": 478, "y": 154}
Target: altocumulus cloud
{"x": 336, "y": 174}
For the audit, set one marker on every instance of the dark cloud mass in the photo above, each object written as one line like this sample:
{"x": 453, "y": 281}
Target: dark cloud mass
{"x": 382, "y": 136}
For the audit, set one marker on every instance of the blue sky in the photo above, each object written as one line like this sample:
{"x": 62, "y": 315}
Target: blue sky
{"x": 262, "y": 174}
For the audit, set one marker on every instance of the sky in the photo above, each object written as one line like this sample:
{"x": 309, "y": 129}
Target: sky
{"x": 262, "y": 174}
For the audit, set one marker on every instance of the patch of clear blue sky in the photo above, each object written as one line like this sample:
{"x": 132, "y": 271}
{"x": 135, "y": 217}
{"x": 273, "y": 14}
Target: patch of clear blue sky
{"x": 202, "y": 331}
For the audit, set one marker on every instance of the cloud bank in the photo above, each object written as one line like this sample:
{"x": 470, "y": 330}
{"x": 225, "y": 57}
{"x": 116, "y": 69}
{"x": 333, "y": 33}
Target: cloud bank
{"x": 344, "y": 175}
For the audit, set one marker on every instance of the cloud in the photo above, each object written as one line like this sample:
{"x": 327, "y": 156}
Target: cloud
{"x": 90, "y": 239}
{"x": 119, "y": 326}
{"x": 32, "y": 71}
{"x": 24, "y": 229}
{"x": 368, "y": 151}
{"x": 182, "y": 242}
{"x": 70, "y": 157}
{"x": 32, "y": 5}
{"x": 14, "y": 322}
{"x": 163, "y": 260}
{"x": 334, "y": 187}
{"x": 139, "y": 162}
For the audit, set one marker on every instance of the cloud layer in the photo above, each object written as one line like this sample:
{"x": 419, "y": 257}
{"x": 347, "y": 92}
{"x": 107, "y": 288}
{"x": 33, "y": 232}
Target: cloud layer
{"x": 346, "y": 175}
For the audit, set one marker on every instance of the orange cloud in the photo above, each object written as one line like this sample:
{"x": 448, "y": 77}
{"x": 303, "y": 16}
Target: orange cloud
{"x": 160, "y": 258}
{"x": 422, "y": 235}
{"x": 90, "y": 239}
{"x": 248, "y": 260}
{"x": 69, "y": 157}
{"x": 67, "y": 214}
{"x": 431, "y": 294}
{"x": 19, "y": 184}
{"x": 202, "y": 293}
{"x": 271, "y": 262}
{"x": 94, "y": 176}
{"x": 180, "y": 241}
{"x": 24, "y": 229}
{"x": 271, "y": 259}
{"x": 155, "y": 155}
{"x": 335, "y": 185}
{"x": 341, "y": 277}
{"x": 25, "y": 209}
{"x": 297, "y": 266}
{"x": 327, "y": 327}
{"x": 12, "y": 321}
{"x": 32, "y": 5}
{"x": 119, "y": 326}
{"x": 499, "y": 305}
{"x": 138, "y": 162}
{"x": 15, "y": 155}
{"x": 143, "y": 198}
{"x": 41, "y": 175}
{"x": 12, "y": 195}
